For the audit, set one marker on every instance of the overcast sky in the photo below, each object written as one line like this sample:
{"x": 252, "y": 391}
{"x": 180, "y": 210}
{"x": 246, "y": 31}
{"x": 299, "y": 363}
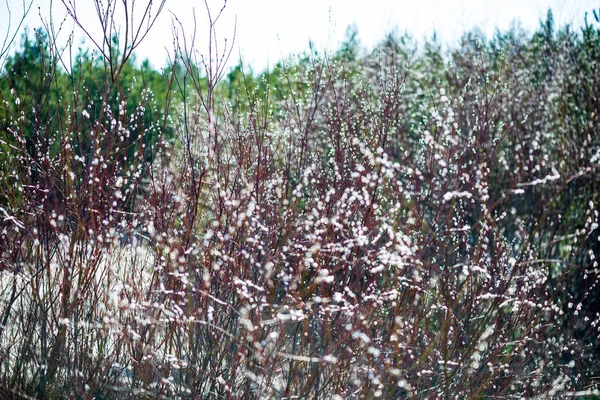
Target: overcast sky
{"x": 266, "y": 30}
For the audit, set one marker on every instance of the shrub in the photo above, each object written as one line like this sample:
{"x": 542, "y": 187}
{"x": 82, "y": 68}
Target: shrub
{"x": 387, "y": 224}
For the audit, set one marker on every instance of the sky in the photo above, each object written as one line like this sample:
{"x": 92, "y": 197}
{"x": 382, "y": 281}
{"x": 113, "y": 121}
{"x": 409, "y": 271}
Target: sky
{"x": 267, "y": 30}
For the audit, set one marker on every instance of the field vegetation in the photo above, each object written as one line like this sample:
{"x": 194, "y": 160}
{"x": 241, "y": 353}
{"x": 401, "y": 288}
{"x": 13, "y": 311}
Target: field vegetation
{"x": 405, "y": 221}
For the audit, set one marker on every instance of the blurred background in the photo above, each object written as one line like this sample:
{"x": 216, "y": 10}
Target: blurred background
{"x": 269, "y": 30}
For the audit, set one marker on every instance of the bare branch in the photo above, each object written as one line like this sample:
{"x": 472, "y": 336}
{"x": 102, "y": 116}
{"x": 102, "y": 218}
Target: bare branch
{"x": 10, "y": 37}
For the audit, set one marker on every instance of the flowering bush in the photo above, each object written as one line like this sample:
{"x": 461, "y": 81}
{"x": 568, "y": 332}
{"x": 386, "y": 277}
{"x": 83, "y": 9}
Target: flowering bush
{"x": 393, "y": 224}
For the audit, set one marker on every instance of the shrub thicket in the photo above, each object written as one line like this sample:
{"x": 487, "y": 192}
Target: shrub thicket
{"x": 397, "y": 223}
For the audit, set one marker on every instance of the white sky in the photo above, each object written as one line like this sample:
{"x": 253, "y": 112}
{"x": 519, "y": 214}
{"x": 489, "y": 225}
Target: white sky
{"x": 269, "y": 29}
